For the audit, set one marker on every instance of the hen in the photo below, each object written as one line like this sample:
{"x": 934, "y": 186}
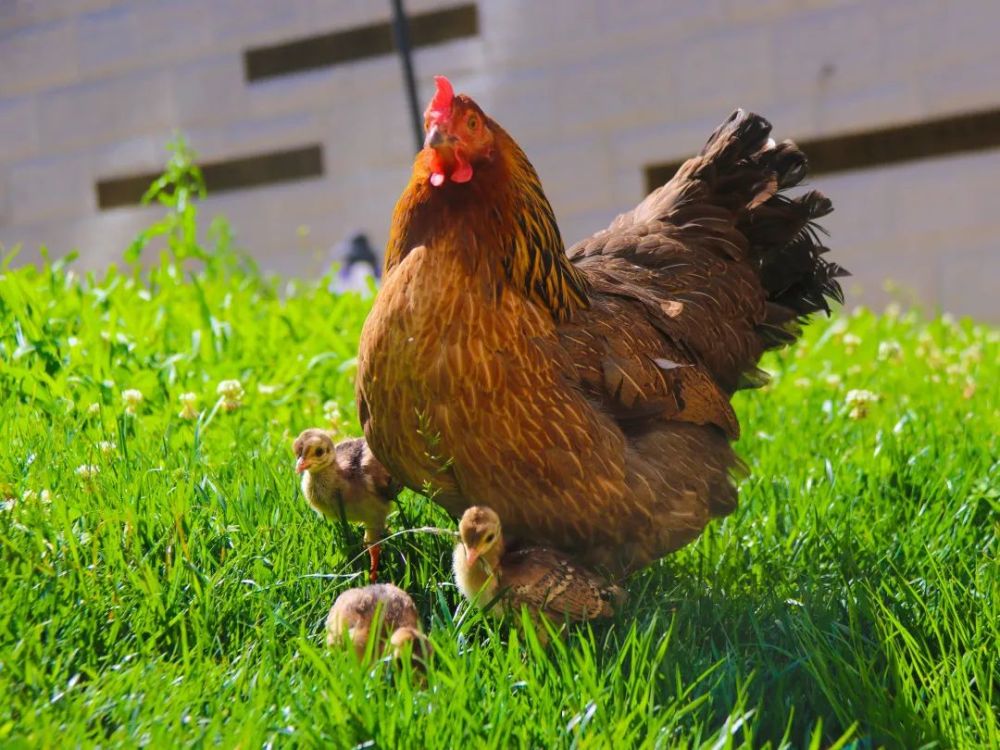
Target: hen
{"x": 584, "y": 395}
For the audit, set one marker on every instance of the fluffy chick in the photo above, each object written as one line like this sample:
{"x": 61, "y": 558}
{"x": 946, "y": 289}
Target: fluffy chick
{"x": 346, "y": 482}
{"x": 545, "y": 581}
{"x": 382, "y": 610}
{"x": 412, "y": 640}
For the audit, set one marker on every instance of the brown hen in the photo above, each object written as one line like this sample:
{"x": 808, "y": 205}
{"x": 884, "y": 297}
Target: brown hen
{"x": 583, "y": 395}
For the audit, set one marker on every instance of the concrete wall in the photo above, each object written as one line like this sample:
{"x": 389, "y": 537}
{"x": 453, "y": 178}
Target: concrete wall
{"x": 594, "y": 91}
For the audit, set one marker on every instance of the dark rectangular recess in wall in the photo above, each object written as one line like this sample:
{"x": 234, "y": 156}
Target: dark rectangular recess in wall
{"x": 969, "y": 131}
{"x": 358, "y": 43}
{"x": 222, "y": 176}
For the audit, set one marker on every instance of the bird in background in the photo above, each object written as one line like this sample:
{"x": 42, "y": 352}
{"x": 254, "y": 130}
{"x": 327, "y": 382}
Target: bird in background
{"x": 345, "y": 482}
{"x": 358, "y": 265}
{"x": 584, "y": 395}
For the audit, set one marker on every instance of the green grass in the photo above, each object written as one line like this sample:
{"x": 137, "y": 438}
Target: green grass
{"x": 177, "y": 595}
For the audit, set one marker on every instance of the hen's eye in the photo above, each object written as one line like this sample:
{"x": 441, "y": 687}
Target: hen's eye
{"x": 472, "y": 123}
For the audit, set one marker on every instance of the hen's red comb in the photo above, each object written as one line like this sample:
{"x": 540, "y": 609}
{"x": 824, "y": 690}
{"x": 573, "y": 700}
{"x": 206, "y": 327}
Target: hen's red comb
{"x": 441, "y": 103}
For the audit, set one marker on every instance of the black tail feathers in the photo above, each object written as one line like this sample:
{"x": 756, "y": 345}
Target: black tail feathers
{"x": 750, "y": 170}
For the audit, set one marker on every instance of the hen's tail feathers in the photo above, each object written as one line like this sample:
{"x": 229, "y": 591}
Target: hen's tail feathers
{"x": 746, "y": 170}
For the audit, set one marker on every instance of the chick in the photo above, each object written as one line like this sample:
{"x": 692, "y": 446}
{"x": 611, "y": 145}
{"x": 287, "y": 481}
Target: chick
{"x": 545, "y": 581}
{"x": 385, "y": 609}
{"x": 412, "y": 639}
{"x": 346, "y": 482}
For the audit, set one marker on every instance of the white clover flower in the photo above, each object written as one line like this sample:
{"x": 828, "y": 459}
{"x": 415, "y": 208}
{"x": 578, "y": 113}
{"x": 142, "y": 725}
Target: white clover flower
{"x": 893, "y": 310}
{"x": 834, "y": 380}
{"x": 133, "y": 400}
{"x": 107, "y": 447}
{"x": 267, "y": 390}
{"x": 87, "y": 472}
{"x": 331, "y": 412}
{"x": 189, "y": 405}
{"x": 972, "y": 355}
{"x": 94, "y": 409}
{"x": 45, "y": 498}
{"x": 851, "y": 342}
{"x": 232, "y": 394}
{"x": 803, "y": 383}
{"x": 859, "y": 400}
{"x": 860, "y": 396}
{"x": 231, "y": 389}
{"x": 890, "y": 350}
{"x": 855, "y": 370}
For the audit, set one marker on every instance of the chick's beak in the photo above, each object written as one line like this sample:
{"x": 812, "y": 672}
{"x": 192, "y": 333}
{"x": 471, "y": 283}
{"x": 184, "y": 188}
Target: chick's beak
{"x": 301, "y": 464}
{"x": 471, "y": 555}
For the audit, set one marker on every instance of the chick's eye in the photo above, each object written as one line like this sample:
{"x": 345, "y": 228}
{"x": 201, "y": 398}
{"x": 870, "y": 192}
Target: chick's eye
{"x": 489, "y": 539}
{"x": 320, "y": 451}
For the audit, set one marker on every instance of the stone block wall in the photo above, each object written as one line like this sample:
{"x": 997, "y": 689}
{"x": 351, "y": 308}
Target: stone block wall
{"x": 595, "y": 91}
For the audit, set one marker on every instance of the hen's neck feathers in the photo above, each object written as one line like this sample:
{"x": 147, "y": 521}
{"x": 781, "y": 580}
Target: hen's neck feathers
{"x": 500, "y": 223}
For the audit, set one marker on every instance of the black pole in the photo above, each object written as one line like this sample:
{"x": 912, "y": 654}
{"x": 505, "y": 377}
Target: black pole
{"x": 401, "y": 33}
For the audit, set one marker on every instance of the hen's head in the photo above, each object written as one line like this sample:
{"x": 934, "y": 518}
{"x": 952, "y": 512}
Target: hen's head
{"x": 459, "y": 136}
{"x": 314, "y": 451}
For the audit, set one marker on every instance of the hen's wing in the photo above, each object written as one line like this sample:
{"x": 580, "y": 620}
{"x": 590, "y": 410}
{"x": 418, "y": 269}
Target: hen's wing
{"x": 624, "y": 361}
{"x": 548, "y": 582}
{"x": 718, "y": 263}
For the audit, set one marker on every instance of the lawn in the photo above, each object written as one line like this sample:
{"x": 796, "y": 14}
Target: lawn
{"x": 164, "y": 582}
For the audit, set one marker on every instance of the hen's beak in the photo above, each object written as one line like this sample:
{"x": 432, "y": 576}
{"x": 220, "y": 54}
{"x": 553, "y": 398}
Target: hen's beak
{"x": 301, "y": 465}
{"x": 471, "y": 555}
{"x": 437, "y": 138}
